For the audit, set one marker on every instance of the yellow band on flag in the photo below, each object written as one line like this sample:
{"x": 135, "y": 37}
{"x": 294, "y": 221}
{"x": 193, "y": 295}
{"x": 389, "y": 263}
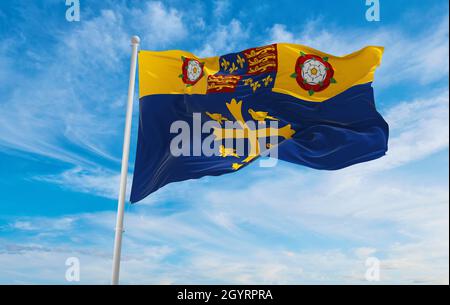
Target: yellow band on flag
{"x": 299, "y": 71}
{"x": 350, "y": 70}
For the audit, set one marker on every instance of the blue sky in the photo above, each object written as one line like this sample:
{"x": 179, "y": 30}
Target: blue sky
{"x": 62, "y": 101}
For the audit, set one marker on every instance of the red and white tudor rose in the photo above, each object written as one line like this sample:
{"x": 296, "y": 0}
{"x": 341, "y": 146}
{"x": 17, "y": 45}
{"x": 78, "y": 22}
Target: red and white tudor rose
{"x": 192, "y": 71}
{"x": 313, "y": 73}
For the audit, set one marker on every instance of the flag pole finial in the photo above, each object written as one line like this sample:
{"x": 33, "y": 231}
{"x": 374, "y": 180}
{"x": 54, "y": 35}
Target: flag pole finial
{"x": 135, "y": 40}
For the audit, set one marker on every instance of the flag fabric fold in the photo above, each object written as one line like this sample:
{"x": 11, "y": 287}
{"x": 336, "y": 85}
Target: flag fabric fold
{"x": 315, "y": 109}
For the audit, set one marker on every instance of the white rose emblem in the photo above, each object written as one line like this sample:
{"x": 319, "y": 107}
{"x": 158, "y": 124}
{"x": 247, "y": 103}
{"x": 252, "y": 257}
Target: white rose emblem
{"x": 194, "y": 70}
{"x": 314, "y": 72}
{"x": 191, "y": 71}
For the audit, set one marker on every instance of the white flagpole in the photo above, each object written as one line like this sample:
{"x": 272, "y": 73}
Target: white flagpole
{"x": 124, "y": 170}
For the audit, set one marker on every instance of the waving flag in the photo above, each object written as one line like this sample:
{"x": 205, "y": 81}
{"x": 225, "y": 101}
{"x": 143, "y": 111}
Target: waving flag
{"x": 315, "y": 109}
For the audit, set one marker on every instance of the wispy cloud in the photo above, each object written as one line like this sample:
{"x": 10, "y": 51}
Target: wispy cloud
{"x": 72, "y": 110}
{"x": 225, "y": 38}
{"x": 315, "y": 236}
{"x": 419, "y": 128}
{"x": 56, "y": 111}
{"x": 221, "y": 8}
{"x": 98, "y": 181}
{"x": 158, "y": 24}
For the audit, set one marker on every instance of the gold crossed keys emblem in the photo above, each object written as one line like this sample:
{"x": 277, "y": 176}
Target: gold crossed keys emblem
{"x": 242, "y": 130}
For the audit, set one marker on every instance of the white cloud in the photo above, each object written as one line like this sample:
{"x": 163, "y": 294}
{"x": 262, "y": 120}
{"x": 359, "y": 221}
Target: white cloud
{"x": 314, "y": 237}
{"x": 226, "y": 38}
{"x": 101, "y": 42}
{"x": 418, "y": 129}
{"x": 159, "y": 24}
{"x": 101, "y": 182}
{"x": 365, "y": 252}
{"x": 279, "y": 34}
{"x": 221, "y": 8}
{"x": 49, "y": 112}
{"x": 72, "y": 110}
{"x": 105, "y": 183}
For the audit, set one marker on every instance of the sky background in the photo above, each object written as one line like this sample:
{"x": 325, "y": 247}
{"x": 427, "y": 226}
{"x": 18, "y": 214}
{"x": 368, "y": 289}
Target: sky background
{"x": 63, "y": 90}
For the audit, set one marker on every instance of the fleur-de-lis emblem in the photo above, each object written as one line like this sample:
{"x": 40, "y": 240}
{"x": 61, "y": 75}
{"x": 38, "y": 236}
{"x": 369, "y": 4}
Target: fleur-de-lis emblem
{"x": 255, "y": 85}
{"x": 225, "y": 64}
{"x": 240, "y": 61}
{"x": 248, "y": 81}
{"x": 233, "y": 68}
{"x": 267, "y": 80}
